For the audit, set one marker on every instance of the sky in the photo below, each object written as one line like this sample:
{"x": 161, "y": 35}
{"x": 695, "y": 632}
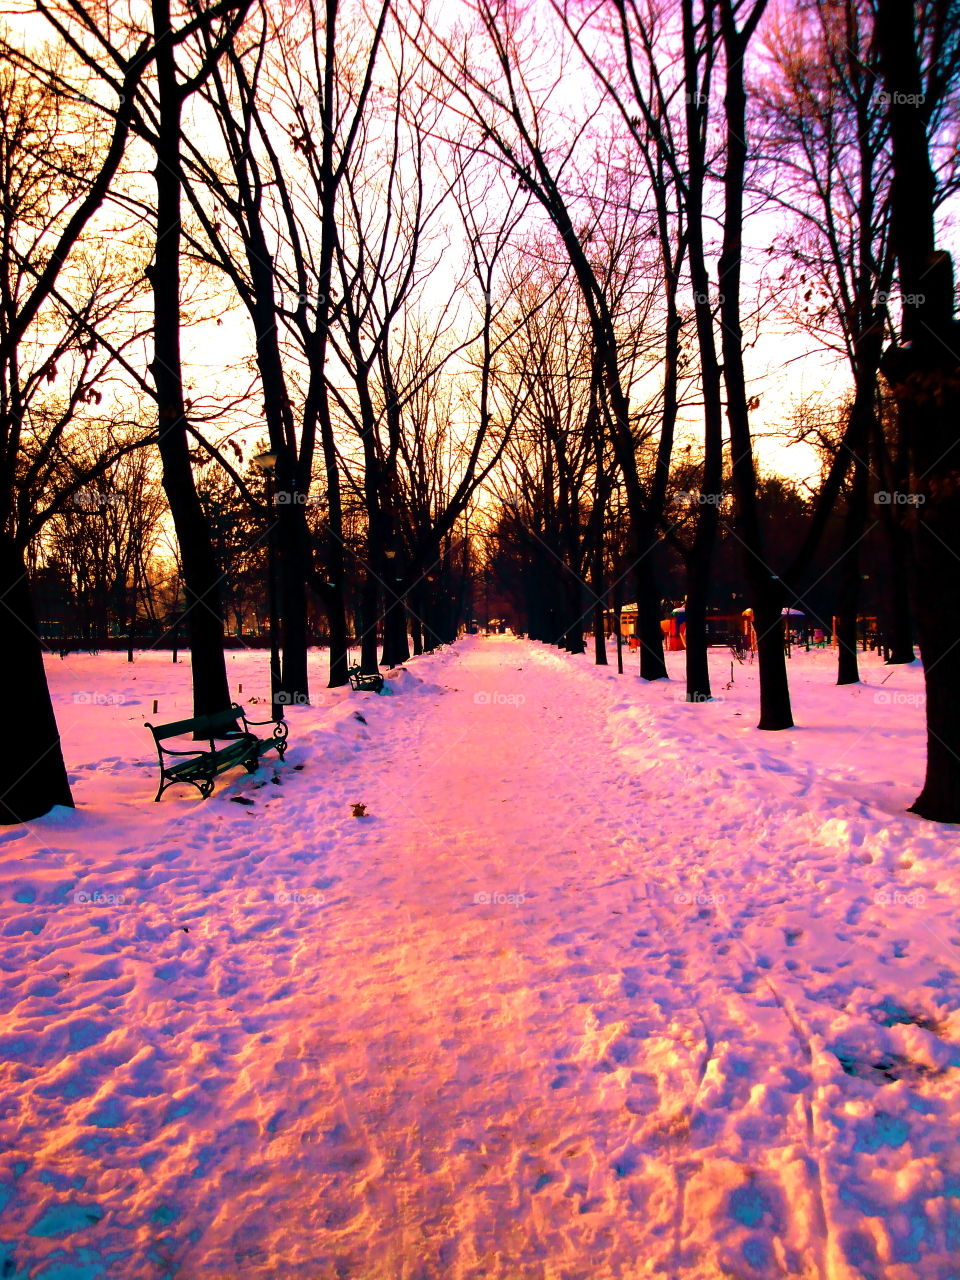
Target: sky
{"x": 783, "y": 367}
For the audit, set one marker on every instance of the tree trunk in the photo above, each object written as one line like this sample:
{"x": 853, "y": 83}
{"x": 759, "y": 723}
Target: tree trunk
{"x": 317, "y": 406}
{"x": 396, "y": 647}
{"x": 338, "y": 636}
{"x": 925, "y": 377}
{"x": 575, "y": 642}
{"x": 201, "y": 574}
{"x": 698, "y": 585}
{"x": 900, "y": 623}
{"x": 34, "y": 777}
{"x": 416, "y": 621}
{"x": 766, "y": 590}
{"x": 653, "y": 665}
{"x": 775, "y": 711}
{"x": 369, "y": 617}
{"x": 599, "y": 621}
{"x": 294, "y": 567}
{"x": 290, "y": 514}
{"x": 848, "y": 671}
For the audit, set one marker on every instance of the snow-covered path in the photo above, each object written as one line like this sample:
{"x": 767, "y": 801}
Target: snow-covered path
{"x": 586, "y": 993}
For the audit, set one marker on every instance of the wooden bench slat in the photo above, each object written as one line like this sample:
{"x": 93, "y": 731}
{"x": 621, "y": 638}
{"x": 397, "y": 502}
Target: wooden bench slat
{"x": 203, "y": 726}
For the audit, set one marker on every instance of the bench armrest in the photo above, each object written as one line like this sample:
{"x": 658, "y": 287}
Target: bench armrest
{"x": 280, "y": 727}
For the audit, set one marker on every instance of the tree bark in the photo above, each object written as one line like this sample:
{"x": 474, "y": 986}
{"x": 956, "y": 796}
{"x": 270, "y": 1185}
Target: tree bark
{"x": 766, "y": 590}
{"x": 396, "y": 646}
{"x": 698, "y": 585}
{"x": 201, "y": 574}
{"x": 925, "y": 376}
{"x": 700, "y": 556}
{"x": 596, "y": 584}
{"x": 369, "y": 617}
{"x": 854, "y": 527}
{"x": 900, "y": 620}
{"x": 34, "y": 777}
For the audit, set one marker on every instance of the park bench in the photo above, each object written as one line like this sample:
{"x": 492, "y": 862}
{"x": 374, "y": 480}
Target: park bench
{"x": 365, "y": 679}
{"x": 200, "y": 764}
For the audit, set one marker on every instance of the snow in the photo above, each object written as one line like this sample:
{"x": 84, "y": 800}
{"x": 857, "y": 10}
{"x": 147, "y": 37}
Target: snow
{"x": 603, "y": 985}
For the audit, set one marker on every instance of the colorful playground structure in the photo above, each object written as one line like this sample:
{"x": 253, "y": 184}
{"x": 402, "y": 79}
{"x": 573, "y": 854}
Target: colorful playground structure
{"x": 737, "y": 629}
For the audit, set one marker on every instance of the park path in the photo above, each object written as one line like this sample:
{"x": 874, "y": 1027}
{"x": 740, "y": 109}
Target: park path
{"x": 571, "y": 1000}
{"x": 508, "y": 1022}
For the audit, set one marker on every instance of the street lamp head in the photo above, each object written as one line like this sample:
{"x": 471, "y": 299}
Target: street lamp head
{"x": 266, "y": 462}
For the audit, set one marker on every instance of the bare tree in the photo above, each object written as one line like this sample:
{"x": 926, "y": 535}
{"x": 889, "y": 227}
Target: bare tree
{"x": 515, "y": 127}
{"x": 104, "y": 540}
{"x": 51, "y": 193}
{"x": 272, "y": 228}
{"x": 181, "y": 64}
{"x": 920, "y": 72}
{"x": 828, "y": 164}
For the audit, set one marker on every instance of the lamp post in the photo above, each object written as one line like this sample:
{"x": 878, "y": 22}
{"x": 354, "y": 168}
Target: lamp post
{"x": 267, "y": 463}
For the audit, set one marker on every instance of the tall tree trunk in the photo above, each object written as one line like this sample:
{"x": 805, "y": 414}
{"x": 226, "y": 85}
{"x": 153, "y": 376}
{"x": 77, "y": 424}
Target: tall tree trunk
{"x": 575, "y": 642}
{"x": 848, "y": 669}
{"x": 894, "y": 466}
{"x": 697, "y": 657}
{"x": 201, "y": 574}
{"x": 599, "y": 618}
{"x": 854, "y": 527}
{"x": 899, "y": 624}
{"x": 396, "y": 646}
{"x": 293, "y": 612}
{"x": 317, "y": 409}
{"x": 653, "y": 663}
{"x": 766, "y": 590}
{"x": 369, "y": 620}
{"x": 708, "y": 515}
{"x": 290, "y": 515}
{"x": 925, "y": 377}
{"x": 34, "y": 777}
